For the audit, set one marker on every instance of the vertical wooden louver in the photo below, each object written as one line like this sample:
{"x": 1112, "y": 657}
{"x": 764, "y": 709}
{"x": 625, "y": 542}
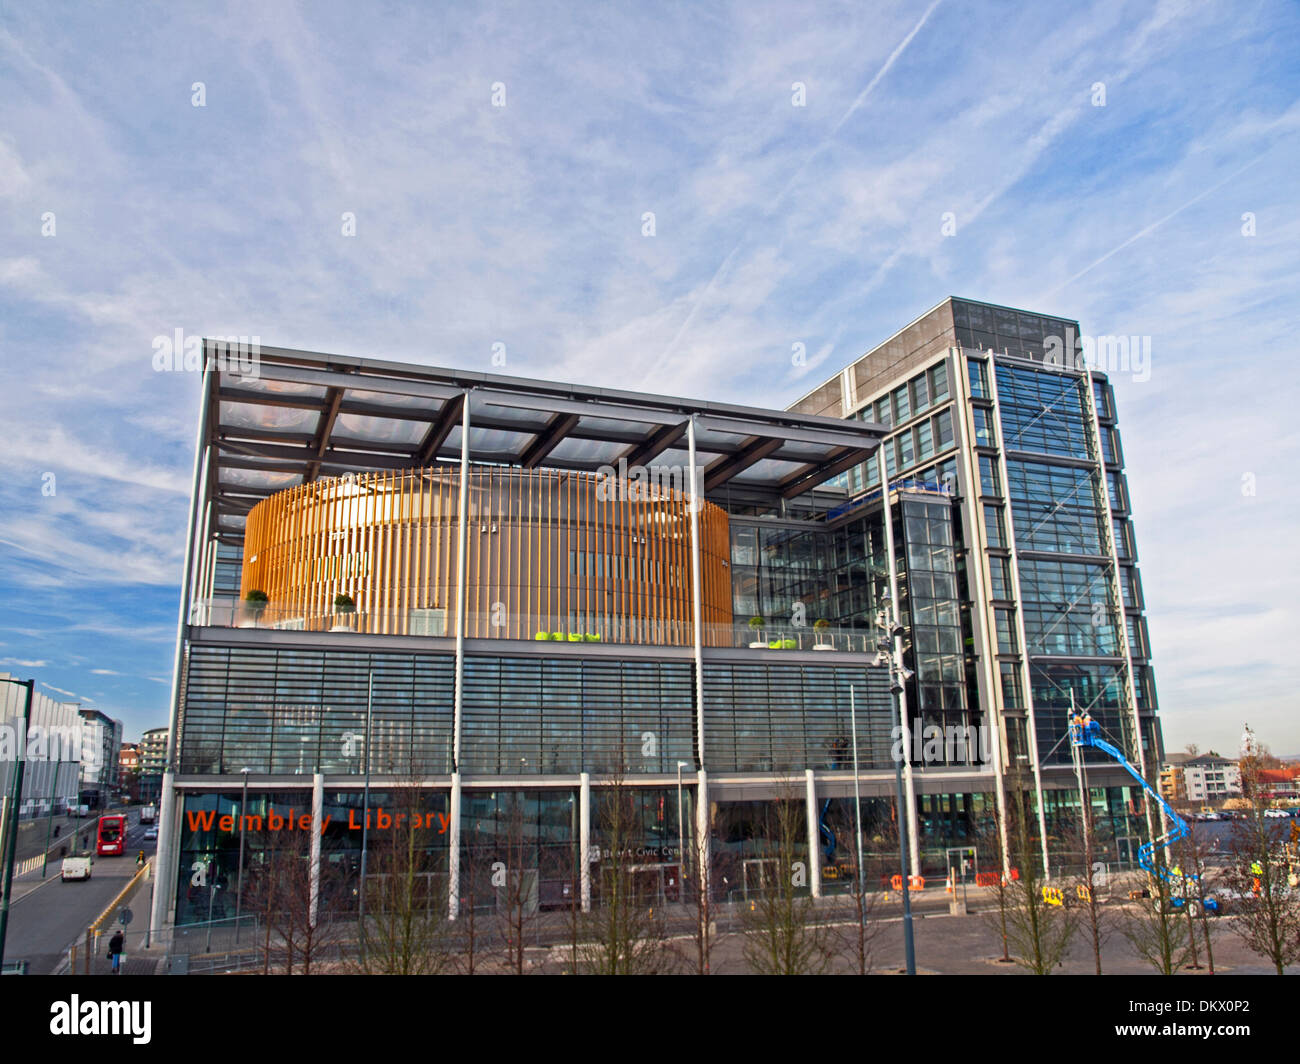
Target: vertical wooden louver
{"x": 556, "y": 552}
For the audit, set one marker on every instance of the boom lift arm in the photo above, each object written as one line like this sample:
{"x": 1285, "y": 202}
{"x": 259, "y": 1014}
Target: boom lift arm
{"x": 1085, "y": 732}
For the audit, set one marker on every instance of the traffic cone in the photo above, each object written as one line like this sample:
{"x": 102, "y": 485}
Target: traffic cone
{"x": 947, "y": 889}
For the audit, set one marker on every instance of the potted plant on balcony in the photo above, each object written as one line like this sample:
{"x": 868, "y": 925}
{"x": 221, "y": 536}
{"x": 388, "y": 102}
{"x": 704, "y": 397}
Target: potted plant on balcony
{"x": 821, "y": 629}
{"x": 255, "y": 604}
{"x": 756, "y": 625}
{"x": 344, "y": 607}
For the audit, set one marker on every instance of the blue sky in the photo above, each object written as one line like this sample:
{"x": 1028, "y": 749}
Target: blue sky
{"x": 774, "y": 224}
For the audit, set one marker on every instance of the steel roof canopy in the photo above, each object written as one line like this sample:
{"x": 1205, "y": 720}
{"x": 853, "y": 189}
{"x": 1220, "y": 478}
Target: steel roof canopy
{"x": 371, "y": 415}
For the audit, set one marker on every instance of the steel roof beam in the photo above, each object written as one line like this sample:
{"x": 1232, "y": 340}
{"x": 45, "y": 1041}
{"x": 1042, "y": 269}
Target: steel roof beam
{"x": 448, "y": 418}
{"x": 724, "y": 469}
{"x": 535, "y": 453}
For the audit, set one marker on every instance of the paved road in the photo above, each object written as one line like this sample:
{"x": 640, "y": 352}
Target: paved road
{"x": 47, "y": 916}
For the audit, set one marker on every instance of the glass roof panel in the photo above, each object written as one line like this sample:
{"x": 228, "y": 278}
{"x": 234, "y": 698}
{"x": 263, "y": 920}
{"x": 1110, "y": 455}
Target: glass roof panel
{"x": 258, "y": 478}
{"x": 703, "y": 437}
{"x": 482, "y": 404}
{"x": 609, "y": 424}
{"x": 276, "y": 418}
{"x": 571, "y": 450}
{"x": 768, "y": 471}
{"x": 397, "y": 402}
{"x": 682, "y": 457}
{"x": 495, "y": 439}
{"x": 361, "y": 427}
{"x": 259, "y": 384}
{"x": 803, "y": 452}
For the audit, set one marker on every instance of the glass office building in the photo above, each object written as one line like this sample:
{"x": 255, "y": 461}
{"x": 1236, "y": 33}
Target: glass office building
{"x": 1001, "y": 407}
{"x": 493, "y": 603}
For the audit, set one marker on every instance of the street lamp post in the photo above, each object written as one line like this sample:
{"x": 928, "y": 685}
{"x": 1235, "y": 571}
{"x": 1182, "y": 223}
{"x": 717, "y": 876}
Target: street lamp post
{"x": 239, "y": 882}
{"x": 11, "y": 827}
{"x": 891, "y": 655}
{"x": 365, "y": 822}
{"x": 681, "y": 837}
{"x": 212, "y": 894}
{"x": 49, "y": 820}
{"x": 857, "y": 805}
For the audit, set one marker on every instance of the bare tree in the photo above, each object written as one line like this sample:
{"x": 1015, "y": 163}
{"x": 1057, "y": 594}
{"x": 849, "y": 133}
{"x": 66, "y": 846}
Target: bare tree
{"x": 1038, "y": 931}
{"x": 1155, "y": 930}
{"x": 1259, "y": 874}
{"x": 471, "y": 894}
{"x": 625, "y": 934}
{"x": 857, "y": 937}
{"x": 998, "y": 884}
{"x": 699, "y": 885}
{"x": 279, "y": 887}
{"x": 1195, "y": 889}
{"x": 1088, "y": 885}
{"x": 406, "y": 930}
{"x": 782, "y": 934}
{"x": 515, "y": 888}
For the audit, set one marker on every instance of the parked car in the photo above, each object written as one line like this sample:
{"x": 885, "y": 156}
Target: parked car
{"x": 1277, "y": 814}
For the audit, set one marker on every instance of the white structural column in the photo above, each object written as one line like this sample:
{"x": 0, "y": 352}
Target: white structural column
{"x": 203, "y": 552}
{"x": 981, "y": 618}
{"x": 462, "y": 552}
{"x": 453, "y": 849}
{"x": 317, "y": 817}
{"x": 1117, "y": 595}
{"x": 164, "y": 886}
{"x": 1116, "y": 588}
{"x": 814, "y": 859}
{"x": 584, "y": 840}
{"x": 696, "y": 608}
{"x": 1026, "y": 676}
{"x": 913, "y": 839}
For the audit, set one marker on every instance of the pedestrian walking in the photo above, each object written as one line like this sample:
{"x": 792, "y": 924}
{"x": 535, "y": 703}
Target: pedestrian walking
{"x": 115, "y": 951}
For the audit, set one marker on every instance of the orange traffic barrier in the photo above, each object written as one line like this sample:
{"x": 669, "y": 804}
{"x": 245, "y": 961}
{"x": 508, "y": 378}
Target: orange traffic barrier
{"x": 987, "y": 879}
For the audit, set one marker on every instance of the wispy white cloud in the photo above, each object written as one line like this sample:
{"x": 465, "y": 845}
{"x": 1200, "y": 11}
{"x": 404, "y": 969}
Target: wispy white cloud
{"x": 775, "y": 225}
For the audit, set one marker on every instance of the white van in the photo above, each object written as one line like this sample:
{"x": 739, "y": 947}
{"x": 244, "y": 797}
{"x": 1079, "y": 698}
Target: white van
{"x": 75, "y": 868}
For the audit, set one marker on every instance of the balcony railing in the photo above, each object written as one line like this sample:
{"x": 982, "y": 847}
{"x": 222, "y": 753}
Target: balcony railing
{"x": 232, "y": 613}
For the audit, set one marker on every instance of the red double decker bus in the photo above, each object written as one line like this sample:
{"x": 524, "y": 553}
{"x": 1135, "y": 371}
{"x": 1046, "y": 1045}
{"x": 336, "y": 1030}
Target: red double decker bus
{"x": 112, "y": 835}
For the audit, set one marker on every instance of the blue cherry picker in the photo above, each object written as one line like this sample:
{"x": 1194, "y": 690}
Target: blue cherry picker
{"x": 1084, "y": 731}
